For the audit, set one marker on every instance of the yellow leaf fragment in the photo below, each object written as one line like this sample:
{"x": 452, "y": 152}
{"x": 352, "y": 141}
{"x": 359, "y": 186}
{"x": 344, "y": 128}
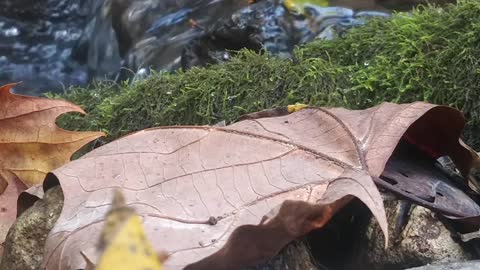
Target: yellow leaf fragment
{"x": 124, "y": 241}
{"x": 297, "y": 107}
{"x": 130, "y": 250}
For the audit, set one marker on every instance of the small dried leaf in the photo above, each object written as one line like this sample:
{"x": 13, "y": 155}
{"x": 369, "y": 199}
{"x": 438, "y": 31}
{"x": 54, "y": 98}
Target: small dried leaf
{"x": 413, "y": 175}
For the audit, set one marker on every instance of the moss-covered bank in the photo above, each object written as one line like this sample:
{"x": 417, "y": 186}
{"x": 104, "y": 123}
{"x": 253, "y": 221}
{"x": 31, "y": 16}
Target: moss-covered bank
{"x": 431, "y": 55}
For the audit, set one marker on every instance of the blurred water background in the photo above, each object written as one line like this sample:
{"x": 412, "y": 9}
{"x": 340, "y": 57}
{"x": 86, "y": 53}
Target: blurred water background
{"x": 50, "y": 45}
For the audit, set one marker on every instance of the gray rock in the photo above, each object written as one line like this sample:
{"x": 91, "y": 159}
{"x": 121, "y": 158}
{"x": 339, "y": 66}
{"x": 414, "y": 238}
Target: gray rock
{"x": 295, "y": 256}
{"x": 471, "y": 265}
{"x": 25, "y": 240}
{"x": 423, "y": 240}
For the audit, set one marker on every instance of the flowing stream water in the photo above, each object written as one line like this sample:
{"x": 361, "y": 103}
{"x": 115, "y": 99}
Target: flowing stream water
{"x": 49, "y": 45}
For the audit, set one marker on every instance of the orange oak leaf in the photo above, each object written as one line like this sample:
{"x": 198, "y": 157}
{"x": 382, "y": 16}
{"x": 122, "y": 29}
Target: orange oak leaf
{"x": 31, "y": 145}
{"x": 227, "y": 197}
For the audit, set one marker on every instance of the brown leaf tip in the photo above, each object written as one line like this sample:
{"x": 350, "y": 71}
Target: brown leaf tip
{"x": 7, "y": 87}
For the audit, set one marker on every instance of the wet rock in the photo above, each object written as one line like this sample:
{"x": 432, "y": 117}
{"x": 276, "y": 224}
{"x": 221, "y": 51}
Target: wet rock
{"x": 97, "y": 48}
{"x": 123, "y": 37}
{"x": 167, "y": 30}
{"x": 24, "y": 244}
{"x": 270, "y": 26}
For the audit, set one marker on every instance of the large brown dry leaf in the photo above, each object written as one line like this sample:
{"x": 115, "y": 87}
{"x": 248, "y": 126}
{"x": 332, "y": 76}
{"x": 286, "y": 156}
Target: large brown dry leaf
{"x": 31, "y": 145}
{"x": 228, "y": 197}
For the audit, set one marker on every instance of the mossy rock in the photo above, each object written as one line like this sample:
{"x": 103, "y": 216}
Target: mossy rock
{"x": 430, "y": 54}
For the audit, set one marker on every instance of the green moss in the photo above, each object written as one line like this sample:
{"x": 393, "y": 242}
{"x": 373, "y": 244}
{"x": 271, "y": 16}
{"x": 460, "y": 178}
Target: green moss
{"x": 430, "y": 55}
